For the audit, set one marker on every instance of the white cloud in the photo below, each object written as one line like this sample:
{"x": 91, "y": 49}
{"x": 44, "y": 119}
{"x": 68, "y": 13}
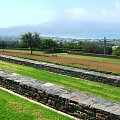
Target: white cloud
{"x": 32, "y": 10}
{"x": 75, "y": 13}
{"x": 42, "y": 12}
{"x": 117, "y": 4}
{"x": 93, "y": 14}
{"x": 49, "y": 12}
{"x": 78, "y": 14}
{"x": 110, "y": 14}
{"x": 107, "y": 13}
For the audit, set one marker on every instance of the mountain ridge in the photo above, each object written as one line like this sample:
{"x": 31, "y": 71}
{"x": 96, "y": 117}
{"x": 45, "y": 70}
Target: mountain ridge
{"x": 63, "y": 27}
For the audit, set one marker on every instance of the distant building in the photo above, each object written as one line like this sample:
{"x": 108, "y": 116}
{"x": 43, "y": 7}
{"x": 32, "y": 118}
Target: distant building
{"x": 114, "y": 47}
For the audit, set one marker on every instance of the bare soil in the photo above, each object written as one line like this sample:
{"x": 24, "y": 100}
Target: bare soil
{"x": 78, "y": 62}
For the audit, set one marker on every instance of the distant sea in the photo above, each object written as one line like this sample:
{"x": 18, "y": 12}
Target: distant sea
{"x": 87, "y": 35}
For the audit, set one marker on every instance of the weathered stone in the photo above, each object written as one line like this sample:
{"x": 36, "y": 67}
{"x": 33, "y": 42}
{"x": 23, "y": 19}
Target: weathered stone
{"x": 79, "y": 73}
{"x": 79, "y": 104}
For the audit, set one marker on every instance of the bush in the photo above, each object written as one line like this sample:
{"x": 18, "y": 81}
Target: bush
{"x": 117, "y": 51}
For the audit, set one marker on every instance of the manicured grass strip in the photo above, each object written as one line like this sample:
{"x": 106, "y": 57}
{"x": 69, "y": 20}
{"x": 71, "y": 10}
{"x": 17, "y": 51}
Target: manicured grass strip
{"x": 101, "y": 59}
{"x": 70, "y": 65}
{"x": 16, "y": 108}
{"x": 27, "y": 51}
{"x": 97, "y": 64}
{"x": 94, "y": 88}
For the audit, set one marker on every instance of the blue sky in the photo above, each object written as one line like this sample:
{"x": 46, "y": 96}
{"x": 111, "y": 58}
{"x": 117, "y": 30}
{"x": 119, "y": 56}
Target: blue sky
{"x": 21, "y": 12}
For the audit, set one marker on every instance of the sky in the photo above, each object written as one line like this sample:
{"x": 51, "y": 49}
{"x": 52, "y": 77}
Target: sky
{"x": 32, "y": 12}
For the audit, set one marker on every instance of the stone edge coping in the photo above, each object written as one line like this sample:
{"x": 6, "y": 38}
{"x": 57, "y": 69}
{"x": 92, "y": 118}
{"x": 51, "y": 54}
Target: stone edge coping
{"x": 49, "y": 88}
{"x": 40, "y": 104}
{"x": 64, "y": 67}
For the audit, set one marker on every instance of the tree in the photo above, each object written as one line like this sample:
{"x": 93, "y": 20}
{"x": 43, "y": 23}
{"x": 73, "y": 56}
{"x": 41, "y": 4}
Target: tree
{"x": 61, "y": 45}
{"x": 49, "y": 44}
{"x": 12, "y": 44}
{"x": 117, "y": 51}
{"x": 3, "y": 45}
{"x": 30, "y": 40}
{"x": 37, "y": 40}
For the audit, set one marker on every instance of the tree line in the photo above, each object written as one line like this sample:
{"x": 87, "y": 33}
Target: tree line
{"x": 33, "y": 41}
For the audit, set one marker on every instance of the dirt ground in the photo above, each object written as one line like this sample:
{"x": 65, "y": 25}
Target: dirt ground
{"x": 85, "y": 63}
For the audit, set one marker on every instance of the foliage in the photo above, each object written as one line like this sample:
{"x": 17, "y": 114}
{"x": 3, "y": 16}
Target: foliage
{"x": 30, "y": 40}
{"x": 12, "y": 44}
{"x": 117, "y": 51}
{"x": 33, "y": 42}
{"x": 2, "y": 44}
{"x": 49, "y": 44}
{"x": 86, "y": 47}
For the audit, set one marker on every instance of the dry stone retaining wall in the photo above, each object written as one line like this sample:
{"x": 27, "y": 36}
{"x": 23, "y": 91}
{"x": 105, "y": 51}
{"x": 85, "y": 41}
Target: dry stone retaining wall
{"x": 74, "y": 72}
{"x": 78, "y": 104}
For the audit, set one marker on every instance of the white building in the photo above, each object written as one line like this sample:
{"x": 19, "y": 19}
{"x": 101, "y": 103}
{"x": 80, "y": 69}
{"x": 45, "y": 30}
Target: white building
{"x": 114, "y": 47}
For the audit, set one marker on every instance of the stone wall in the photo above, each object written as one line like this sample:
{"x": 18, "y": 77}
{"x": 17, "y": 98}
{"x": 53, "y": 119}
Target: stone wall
{"x": 92, "y": 54}
{"x": 74, "y": 72}
{"x": 78, "y": 104}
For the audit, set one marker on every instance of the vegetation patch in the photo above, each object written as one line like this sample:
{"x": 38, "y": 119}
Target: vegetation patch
{"x": 99, "y": 64}
{"x": 15, "y": 108}
{"x": 98, "y": 89}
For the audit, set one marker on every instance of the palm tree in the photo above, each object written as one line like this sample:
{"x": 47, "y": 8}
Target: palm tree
{"x": 31, "y": 40}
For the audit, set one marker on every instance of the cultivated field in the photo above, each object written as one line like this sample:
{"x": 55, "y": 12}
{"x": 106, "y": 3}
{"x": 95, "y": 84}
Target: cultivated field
{"x": 15, "y": 108}
{"x": 94, "y": 88}
{"x": 95, "y": 63}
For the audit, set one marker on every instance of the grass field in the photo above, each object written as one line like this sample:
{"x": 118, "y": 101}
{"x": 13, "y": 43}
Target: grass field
{"x": 85, "y": 62}
{"x": 15, "y": 108}
{"x": 98, "y": 89}
{"x": 27, "y": 51}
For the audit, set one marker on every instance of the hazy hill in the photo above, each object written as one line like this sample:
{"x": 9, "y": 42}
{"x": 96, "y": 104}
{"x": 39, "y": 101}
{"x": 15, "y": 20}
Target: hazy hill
{"x": 64, "y": 27}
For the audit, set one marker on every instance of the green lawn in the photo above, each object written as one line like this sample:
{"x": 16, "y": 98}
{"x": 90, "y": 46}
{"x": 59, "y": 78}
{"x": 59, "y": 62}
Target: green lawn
{"x": 94, "y": 88}
{"x": 16, "y": 108}
{"x": 26, "y": 51}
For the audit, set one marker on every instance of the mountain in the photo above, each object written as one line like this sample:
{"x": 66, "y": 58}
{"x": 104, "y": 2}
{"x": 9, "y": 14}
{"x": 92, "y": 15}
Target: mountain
{"x": 63, "y": 27}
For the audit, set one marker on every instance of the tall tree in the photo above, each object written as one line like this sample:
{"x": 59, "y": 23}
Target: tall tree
{"x": 49, "y": 44}
{"x": 30, "y": 40}
{"x": 3, "y": 45}
{"x": 37, "y": 40}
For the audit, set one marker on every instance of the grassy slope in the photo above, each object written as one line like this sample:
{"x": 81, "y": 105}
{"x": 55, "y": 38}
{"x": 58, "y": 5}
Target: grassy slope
{"x": 98, "y": 89}
{"x": 15, "y": 108}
